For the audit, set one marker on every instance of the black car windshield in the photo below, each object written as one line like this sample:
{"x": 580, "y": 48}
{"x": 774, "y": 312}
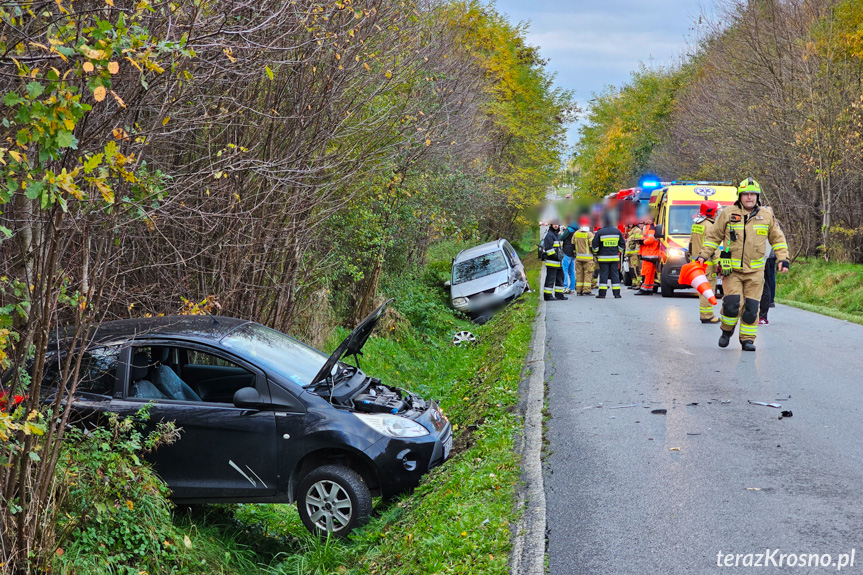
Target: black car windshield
{"x": 478, "y": 267}
{"x": 680, "y": 219}
{"x": 276, "y": 352}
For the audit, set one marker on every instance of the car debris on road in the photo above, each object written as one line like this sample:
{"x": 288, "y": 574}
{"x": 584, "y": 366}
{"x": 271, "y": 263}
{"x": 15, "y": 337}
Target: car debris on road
{"x": 776, "y": 405}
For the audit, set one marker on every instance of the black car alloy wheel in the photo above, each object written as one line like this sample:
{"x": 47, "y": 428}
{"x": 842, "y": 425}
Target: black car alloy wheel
{"x": 333, "y": 499}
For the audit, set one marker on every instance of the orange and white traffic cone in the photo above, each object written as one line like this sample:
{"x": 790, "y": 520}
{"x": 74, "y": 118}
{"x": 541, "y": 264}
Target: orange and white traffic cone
{"x": 694, "y": 274}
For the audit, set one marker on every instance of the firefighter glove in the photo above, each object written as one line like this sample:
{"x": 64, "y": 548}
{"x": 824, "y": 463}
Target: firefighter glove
{"x": 784, "y": 264}
{"x": 725, "y": 267}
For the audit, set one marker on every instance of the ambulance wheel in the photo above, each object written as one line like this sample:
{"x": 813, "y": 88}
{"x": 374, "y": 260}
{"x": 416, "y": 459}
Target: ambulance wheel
{"x": 667, "y": 290}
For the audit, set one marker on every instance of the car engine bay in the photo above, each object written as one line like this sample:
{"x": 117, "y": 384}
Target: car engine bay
{"x": 353, "y": 389}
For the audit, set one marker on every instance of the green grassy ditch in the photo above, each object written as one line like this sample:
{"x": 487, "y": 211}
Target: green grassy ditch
{"x": 833, "y": 289}
{"x": 457, "y": 521}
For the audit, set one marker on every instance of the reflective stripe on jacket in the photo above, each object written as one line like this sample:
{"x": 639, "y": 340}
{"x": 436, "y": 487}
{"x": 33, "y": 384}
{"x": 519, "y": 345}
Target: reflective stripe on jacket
{"x": 608, "y": 244}
{"x": 551, "y": 247}
{"x": 582, "y": 244}
{"x": 632, "y": 240}
{"x": 696, "y": 240}
{"x": 752, "y": 234}
{"x": 650, "y": 248}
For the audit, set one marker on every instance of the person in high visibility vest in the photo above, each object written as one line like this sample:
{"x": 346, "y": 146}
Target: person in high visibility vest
{"x": 745, "y": 229}
{"x": 700, "y": 227}
{"x": 650, "y": 252}
{"x": 608, "y": 245}
{"x": 633, "y": 239}
{"x": 582, "y": 240}
{"x": 551, "y": 245}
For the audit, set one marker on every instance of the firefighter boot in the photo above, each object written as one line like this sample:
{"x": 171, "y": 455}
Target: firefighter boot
{"x": 725, "y": 338}
{"x": 748, "y": 345}
{"x": 548, "y": 297}
{"x": 560, "y": 296}
{"x": 616, "y": 292}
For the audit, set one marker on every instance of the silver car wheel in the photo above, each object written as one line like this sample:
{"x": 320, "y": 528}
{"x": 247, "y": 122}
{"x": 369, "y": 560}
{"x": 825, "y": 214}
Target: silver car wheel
{"x": 328, "y": 506}
{"x": 463, "y": 337}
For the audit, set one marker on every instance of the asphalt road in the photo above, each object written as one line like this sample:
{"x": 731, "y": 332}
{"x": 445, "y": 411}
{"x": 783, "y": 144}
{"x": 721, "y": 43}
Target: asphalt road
{"x": 628, "y": 491}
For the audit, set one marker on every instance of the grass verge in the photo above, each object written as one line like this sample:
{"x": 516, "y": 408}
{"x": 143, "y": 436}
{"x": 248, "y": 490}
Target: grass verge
{"x": 458, "y": 520}
{"x": 833, "y": 289}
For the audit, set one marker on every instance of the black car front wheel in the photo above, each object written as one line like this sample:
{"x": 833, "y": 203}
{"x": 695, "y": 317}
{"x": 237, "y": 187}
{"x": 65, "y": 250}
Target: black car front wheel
{"x": 333, "y": 499}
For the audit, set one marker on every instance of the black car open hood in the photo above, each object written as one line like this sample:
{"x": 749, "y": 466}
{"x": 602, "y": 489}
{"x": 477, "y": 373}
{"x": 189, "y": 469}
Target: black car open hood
{"x": 352, "y": 344}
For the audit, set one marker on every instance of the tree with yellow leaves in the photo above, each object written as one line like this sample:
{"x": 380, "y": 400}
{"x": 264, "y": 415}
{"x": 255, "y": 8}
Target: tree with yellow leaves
{"x": 70, "y": 179}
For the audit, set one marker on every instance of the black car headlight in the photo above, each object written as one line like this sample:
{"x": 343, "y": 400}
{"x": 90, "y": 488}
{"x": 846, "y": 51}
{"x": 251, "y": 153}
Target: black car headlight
{"x": 392, "y": 425}
{"x": 438, "y": 419}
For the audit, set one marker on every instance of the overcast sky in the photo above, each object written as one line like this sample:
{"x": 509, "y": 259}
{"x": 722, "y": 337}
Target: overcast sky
{"x": 592, "y": 44}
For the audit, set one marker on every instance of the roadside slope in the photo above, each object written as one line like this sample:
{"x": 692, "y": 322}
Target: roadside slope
{"x": 833, "y": 289}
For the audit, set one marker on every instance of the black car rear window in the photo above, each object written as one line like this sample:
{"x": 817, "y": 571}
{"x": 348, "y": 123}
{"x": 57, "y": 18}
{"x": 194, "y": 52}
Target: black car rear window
{"x": 478, "y": 267}
{"x": 98, "y": 369}
{"x": 274, "y": 351}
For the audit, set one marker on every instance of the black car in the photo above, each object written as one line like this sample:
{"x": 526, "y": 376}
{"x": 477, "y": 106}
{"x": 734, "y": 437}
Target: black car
{"x": 264, "y": 417}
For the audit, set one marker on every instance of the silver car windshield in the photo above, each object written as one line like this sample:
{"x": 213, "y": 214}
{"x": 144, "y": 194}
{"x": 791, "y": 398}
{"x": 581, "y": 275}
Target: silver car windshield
{"x": 276, "y": 352}
{"x": 478, "y": 267}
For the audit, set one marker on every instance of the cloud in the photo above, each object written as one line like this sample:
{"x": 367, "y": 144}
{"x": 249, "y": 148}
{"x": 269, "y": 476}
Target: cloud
{"x": 590, "y": 45}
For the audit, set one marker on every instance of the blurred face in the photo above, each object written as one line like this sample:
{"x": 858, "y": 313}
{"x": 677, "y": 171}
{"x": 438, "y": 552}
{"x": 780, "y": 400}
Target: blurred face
{"x": 748, "y": 200}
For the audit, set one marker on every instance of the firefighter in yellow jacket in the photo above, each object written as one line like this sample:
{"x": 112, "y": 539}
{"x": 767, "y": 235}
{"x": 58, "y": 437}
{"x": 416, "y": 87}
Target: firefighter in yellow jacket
{"x": 630, "y": 256}
{"x": 700, "y": 228}
{"x": 745, "y": 230}
{"x": 583, "y": 257}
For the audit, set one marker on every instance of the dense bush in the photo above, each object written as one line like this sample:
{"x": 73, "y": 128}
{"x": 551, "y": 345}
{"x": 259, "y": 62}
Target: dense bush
{"x": 114, "y": 515}
{"x": 264, "y": 159}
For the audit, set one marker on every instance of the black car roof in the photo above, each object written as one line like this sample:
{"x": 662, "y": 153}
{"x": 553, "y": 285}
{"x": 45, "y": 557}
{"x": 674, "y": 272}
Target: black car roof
{"x": 201, "y": 327}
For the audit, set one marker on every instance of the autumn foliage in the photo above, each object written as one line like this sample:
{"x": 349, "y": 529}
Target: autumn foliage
{"x": 772, "y": 91}
{"x": 269, "y": 159}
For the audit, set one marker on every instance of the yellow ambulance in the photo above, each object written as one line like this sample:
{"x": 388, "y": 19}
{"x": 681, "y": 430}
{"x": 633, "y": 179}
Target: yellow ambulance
{"x": 673, "y": 208}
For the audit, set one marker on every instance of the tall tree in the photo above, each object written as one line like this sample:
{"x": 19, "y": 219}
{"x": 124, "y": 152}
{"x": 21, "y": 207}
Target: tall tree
{"x": 622, "y": 130}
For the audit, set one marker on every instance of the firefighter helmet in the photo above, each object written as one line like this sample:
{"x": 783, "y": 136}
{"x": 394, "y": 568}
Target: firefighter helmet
{"x": 709, "y": 208}
{"x": 748, "y": 186}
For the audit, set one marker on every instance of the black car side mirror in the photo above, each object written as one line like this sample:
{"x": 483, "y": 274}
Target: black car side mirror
{"x": 659, "y": 232}
{"x": 247, "y": 398}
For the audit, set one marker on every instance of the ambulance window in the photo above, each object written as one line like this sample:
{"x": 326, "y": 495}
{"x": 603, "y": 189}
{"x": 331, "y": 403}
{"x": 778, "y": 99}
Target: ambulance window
{"x": 680, "y": 219}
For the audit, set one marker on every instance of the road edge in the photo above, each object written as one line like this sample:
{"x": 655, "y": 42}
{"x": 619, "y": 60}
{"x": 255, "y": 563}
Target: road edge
{"x": 528, "y": 550}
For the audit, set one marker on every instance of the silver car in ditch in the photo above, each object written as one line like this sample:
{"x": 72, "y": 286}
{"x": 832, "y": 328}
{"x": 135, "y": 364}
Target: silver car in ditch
{"x": 486, "y": 277}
